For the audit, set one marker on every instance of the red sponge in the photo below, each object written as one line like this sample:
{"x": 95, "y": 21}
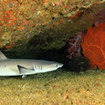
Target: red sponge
{"x": 94, "y": 46}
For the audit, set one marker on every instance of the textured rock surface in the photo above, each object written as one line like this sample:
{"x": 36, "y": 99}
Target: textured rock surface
{"x": 94, "y": 46}
{"x": 21, "y": 20}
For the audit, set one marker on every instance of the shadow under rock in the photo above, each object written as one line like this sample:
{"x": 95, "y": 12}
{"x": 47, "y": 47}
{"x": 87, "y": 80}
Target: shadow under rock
{"x": 77, "y": 64}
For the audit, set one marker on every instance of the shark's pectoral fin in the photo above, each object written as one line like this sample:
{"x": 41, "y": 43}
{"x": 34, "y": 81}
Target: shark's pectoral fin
{"x": 23, "y": 76}
{"x": 23, "y": 69}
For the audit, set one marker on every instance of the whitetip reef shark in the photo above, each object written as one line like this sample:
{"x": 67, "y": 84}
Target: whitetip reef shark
{"x": 23, "y": 67}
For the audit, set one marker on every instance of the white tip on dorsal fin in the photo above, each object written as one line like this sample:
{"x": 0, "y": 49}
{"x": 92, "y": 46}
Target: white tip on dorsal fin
{"x": 2, "y": 56}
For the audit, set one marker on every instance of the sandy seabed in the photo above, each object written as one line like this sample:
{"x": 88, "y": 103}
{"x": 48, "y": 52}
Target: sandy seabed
{"x": 54, "y": 88}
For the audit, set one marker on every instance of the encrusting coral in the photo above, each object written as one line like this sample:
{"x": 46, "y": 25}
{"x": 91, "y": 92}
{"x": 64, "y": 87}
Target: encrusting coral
{"x": 74, "y": 48}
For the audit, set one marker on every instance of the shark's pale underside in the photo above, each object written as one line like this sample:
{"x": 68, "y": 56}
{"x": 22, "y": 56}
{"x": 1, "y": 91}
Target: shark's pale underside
{"x": 23, "y": 67}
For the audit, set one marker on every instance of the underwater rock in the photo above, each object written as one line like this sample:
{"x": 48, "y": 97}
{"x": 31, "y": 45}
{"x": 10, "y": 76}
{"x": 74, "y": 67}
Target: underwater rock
{"x": 100, "y": 17}
{"x": 21, "y": 20}
{"x": 94, "y": 46}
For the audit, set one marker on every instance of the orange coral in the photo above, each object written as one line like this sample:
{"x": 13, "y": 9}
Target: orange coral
{"x": 94, "y": 46}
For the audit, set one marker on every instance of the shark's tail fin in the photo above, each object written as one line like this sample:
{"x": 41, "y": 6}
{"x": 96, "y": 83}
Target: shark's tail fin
{"x": 2, "y": 56}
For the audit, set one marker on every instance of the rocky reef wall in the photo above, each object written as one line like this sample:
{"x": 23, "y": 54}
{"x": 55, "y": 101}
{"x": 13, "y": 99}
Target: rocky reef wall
{"x": 44, "y": 21}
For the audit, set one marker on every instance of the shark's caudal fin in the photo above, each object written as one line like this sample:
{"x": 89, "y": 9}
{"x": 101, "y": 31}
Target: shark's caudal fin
{"x": 2, "y": 56}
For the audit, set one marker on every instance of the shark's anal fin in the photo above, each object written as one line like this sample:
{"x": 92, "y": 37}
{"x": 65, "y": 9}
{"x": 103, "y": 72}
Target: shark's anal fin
{"x": 23, "y": 69}
{"x": 2, "y": 56}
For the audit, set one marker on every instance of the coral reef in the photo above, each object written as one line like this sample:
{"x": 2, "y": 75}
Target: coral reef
{"x": 94, "y": 46}
{"x": 75, "y": 58}
{"x": 74, "y": 45}
{"x": 91, "y": 44}
{"x": 22, "y": 19}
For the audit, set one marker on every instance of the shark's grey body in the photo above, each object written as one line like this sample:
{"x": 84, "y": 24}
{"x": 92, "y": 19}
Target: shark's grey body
{"x": 23, "y": 67}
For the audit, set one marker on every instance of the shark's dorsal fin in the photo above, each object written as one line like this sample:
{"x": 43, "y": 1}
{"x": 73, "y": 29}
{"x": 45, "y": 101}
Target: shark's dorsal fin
{"x": 2, "y": 56}
{"x": 23, "y": 69}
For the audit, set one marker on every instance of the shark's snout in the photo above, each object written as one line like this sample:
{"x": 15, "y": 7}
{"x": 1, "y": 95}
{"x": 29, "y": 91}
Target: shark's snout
{"x": 59, "y": 65}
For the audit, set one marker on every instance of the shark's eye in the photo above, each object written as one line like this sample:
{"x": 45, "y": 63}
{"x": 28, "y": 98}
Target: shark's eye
{"x": 55, "y": 65}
